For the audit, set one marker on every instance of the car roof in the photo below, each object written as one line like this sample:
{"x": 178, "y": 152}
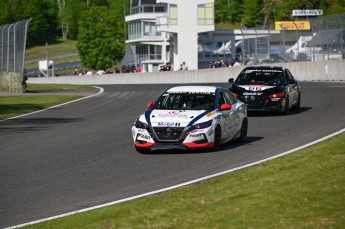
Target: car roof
{"x": 206, "y": 89}
{"x": 265, "y": 67}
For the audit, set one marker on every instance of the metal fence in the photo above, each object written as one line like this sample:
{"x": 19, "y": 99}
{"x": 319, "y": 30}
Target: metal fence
{"x": 12, "y": 46}
{"x": 323, "y": 41}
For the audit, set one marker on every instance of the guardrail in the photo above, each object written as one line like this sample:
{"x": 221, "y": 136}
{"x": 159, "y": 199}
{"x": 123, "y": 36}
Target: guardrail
{"x": 303, "y": 71}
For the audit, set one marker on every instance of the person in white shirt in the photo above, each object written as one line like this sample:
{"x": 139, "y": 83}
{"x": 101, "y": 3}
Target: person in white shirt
{"x": 184, "y": 66}
{"x": 100, "y": 72}
{"x": 237, "y": 64}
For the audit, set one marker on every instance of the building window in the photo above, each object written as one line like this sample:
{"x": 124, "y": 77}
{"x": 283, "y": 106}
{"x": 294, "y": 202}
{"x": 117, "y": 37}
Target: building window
{"x": 134, "y": 30}
{"x": 205, "y": 14}
{"x": 150, "y": 29}
{"x": 138, "y": 29}
{"x": 149, "y": 53}
{"x": 173, "y": 14}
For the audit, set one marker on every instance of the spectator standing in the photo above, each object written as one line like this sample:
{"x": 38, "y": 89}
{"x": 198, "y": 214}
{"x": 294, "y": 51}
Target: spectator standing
{"x": 100, "y": 72}
{"x": 139, "y": 68}
{"x": 184, "y": 66}
{"x": 236, "y": 64}
{"x": 168, "y": 66}
{"x": 24, "y": 84}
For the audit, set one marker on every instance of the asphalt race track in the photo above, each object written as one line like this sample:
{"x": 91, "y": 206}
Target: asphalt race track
{"x": 81, "y": 154}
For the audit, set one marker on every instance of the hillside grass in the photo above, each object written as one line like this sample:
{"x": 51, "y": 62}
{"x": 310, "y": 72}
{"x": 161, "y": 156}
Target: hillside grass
{"x": 60, "y": 52}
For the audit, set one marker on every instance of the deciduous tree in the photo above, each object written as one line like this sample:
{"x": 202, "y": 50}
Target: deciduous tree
{"x": 101, "y": 38}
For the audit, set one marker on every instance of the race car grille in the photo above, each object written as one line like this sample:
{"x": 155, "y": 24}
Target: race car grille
{"x": 168, "y": 133}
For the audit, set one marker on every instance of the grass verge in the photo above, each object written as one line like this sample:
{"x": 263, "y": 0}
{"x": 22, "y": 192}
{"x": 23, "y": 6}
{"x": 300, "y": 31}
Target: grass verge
{"x": 305, "y": 189}
{"x": 11, "y": 106}
{"x": 56, "y": 87}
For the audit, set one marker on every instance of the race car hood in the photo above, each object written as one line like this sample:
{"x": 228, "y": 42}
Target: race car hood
{"x": 180, "y": 118}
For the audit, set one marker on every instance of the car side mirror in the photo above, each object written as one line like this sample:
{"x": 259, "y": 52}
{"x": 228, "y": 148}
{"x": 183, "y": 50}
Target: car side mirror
{"x": 225, "y": 107}
{"x": 149, "y": 105}
{"x": 231, "y": 80}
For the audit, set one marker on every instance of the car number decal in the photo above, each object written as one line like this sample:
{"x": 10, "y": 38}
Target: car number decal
{"x": 256, "y": 88}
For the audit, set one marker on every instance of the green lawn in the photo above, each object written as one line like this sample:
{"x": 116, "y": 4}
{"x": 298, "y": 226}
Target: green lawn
{"x": 16, "y": 105}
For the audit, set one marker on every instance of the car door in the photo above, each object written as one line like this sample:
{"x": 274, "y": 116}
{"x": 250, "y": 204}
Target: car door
{"x": 293, "y": 88}
{"x": 236, "y": 111}
{"x": 228, "y": 119}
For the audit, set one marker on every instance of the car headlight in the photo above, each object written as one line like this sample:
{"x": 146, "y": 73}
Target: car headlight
{"x": 202, "y": 125}
{"x": 141, "y": 125}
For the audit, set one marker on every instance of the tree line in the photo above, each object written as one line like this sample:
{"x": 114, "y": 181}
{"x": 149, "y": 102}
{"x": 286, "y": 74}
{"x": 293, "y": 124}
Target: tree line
{"x": 251, "y": 13}
{"x": 99, "y": 25}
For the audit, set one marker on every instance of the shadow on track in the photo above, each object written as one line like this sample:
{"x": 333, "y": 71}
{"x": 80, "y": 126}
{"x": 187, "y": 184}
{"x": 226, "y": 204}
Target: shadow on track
{"x": 227, "y": 146}
{"x": 24, "y": 125}
{"x": 276, "y": 113}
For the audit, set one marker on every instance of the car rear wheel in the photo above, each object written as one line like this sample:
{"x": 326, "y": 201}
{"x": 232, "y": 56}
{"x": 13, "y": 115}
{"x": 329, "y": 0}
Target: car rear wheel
{"x": 244, "y": 130}
{"x": 217, "y": 137}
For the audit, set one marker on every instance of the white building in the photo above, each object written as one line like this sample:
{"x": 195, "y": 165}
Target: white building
{"x": 166, "y": 31}
{"x": 171, "y": 32}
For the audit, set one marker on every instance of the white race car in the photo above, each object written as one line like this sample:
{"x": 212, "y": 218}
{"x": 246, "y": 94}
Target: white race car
{"x": 191, "y": 117}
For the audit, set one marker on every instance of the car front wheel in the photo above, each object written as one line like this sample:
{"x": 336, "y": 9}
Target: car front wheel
{"x": 286, "y": 109}
{"x": 217, "y": 137}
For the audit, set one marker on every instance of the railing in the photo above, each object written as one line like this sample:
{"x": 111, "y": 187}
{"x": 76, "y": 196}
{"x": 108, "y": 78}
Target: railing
{"x": 148, "y": 57}
{"x": 148, "y": 8}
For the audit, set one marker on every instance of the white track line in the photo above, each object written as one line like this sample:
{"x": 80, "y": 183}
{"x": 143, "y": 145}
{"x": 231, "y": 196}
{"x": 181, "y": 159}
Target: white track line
{"x": 179, "y": 185}
{"x": 101, "y": 90}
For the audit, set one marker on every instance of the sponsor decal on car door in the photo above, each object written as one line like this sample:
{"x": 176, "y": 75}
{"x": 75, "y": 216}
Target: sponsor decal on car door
{"x": 228, "y": 120}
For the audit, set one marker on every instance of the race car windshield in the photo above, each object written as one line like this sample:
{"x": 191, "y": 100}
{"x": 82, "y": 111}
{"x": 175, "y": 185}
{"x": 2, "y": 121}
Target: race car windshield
{"x": 260, "y": 76}
{"x": 185, "y": 101}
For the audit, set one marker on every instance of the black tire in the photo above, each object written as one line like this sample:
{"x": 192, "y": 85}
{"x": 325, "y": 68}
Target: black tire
{"x": 244, "y": 130}
{"x": 286, "y": 109}
{"x": 142, "y": 151}
{"x": 217, "y": 138}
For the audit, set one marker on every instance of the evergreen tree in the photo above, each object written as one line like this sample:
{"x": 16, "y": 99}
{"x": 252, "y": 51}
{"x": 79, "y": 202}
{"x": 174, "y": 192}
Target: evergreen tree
{"x": 101, "y": 38}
